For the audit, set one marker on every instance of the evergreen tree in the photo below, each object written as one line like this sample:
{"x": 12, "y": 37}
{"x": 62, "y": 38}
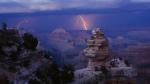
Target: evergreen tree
{"x": 127, "y": 62}
{"x": 67, "y": 74}
{"x": 34, "y": 81}
{"x": 4, "y": 26}
{"x": 30, "y": 42}
{"x": 55, "y": 74}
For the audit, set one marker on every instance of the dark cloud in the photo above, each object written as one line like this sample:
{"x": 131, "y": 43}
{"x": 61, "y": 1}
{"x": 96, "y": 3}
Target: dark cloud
{"x": 42, "y": 5}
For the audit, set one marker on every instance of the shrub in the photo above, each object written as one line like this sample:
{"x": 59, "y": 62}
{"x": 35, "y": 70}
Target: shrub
{"x": 30, "y": 42}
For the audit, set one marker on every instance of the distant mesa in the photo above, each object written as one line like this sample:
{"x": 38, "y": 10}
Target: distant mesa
{"x": 59, "y": 30}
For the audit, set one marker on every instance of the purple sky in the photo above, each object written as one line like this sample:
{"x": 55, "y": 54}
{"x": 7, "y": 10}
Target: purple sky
{"x": 120, "y": 15}
{"x": 13, "y": 6}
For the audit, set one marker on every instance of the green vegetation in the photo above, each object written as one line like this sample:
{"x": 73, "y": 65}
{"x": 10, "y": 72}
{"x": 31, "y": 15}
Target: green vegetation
{"x": 34, "y": 81}
{"x": 4, "y": 26}
{"x": 30, "y": 42}
{"x": 54, "y": 75}
{"x": 67, "y": 74}
{"x": 17, "y": 51}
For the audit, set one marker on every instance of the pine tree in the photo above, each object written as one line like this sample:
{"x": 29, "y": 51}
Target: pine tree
{"x": 30, "y": 42}
{"x": 4, "y": 26}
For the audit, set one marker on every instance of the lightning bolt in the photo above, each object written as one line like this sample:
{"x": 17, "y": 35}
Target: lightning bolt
{"x": 84, "y": 23}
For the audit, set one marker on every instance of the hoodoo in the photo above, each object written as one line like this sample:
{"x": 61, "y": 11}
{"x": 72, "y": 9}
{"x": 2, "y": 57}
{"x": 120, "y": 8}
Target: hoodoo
{"x": 101, "y": 68}
{"x": 97, "y": 50}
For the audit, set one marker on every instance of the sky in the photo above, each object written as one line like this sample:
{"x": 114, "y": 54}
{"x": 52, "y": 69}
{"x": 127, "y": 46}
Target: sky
{"x": 13, "y": 6}
{"x": 45, "y": 15}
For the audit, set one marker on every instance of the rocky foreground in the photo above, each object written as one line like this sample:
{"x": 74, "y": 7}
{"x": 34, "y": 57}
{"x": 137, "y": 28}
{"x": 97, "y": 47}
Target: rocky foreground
{"x": 23, "y": 62}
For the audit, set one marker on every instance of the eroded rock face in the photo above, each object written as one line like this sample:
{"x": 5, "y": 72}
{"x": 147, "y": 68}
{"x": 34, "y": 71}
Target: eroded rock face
{"x": 97, "y": 50}
{"x": 101, "y": 69}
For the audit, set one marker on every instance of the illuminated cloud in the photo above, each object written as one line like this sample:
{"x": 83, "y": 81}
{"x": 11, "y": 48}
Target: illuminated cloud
{"x": 140, "y": 0}
{"x": 40, "y": 5}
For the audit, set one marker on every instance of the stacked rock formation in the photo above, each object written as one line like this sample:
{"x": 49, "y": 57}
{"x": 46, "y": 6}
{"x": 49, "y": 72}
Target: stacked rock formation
{"x": 97, "y": 50}
{"x": 101, "y": 68}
